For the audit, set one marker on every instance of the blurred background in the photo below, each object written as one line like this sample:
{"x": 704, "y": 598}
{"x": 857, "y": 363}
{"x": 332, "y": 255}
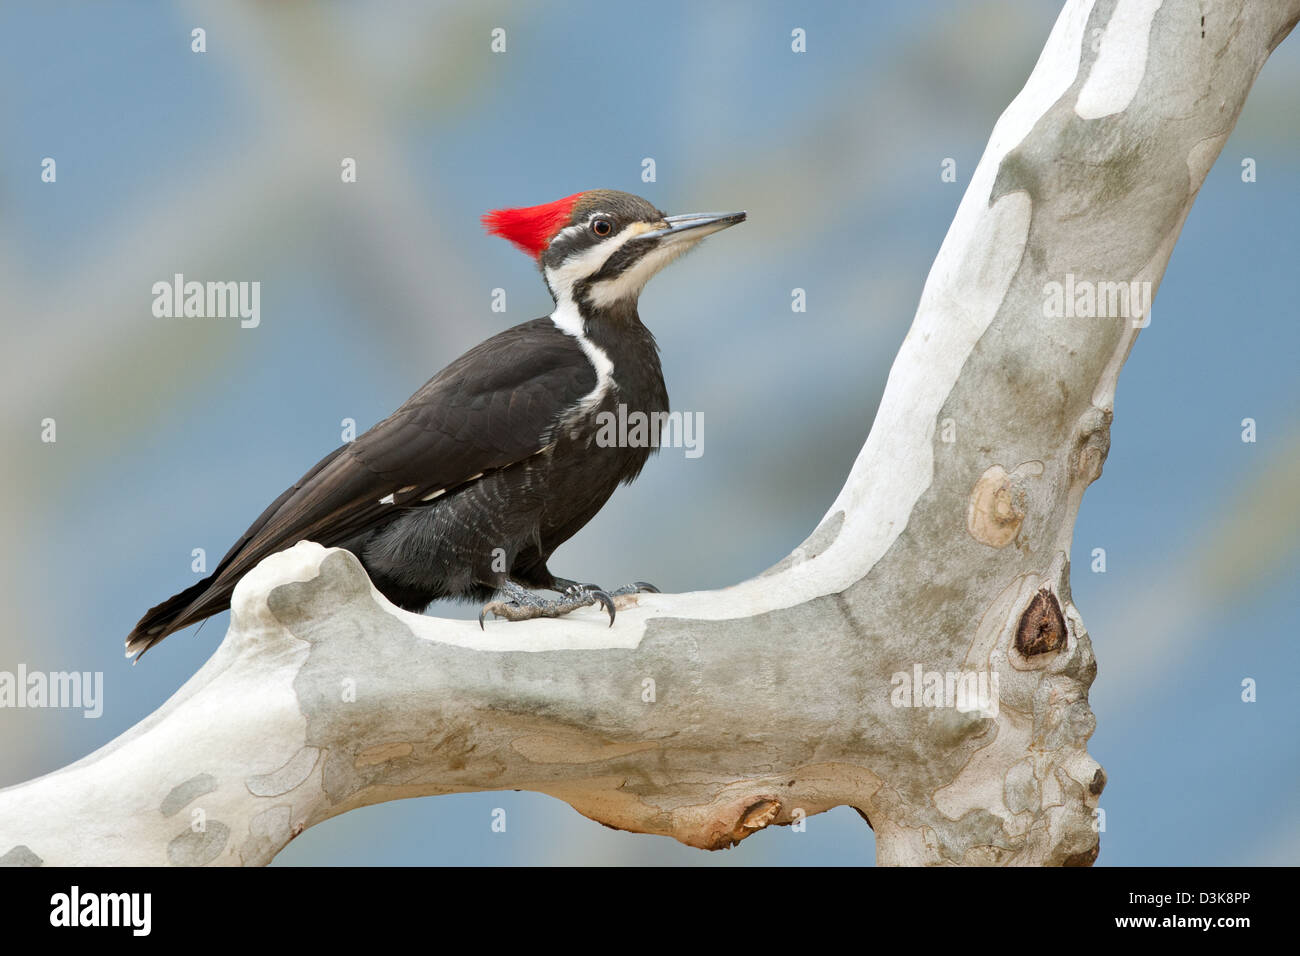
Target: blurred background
{"x": 173, "y": 434}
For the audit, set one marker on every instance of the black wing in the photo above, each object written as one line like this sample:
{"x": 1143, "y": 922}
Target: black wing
{"x": 494, "y": 406}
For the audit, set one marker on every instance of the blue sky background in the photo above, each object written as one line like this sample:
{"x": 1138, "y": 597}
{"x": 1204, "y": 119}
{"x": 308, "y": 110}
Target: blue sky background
{"x": 173, "y": 435}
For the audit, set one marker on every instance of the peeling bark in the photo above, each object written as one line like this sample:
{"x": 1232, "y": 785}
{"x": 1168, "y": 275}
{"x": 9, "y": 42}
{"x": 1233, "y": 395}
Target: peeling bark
{"x": 710, "y": 716}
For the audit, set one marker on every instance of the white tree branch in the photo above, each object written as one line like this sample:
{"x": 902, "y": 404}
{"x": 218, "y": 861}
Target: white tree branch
{"x": 947, "y": 548}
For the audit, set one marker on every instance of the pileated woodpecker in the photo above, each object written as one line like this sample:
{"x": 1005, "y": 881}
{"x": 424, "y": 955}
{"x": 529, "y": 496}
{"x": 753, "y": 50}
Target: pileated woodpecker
{"x": 466, "y": 490}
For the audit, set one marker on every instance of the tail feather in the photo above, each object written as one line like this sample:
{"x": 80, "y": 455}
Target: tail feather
{"x": 177, "y": 612}
{"x": 212, "y": 594}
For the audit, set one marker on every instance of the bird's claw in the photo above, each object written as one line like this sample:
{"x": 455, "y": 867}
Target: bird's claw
{"x": 574, "y": 598}
{"x": 583, "y": 595}
{"x": 607, "y": 602}
{"x": 636, "y": 587}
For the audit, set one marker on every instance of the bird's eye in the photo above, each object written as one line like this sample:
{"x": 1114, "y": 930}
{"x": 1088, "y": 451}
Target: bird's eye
{"x": 602, "y": 227}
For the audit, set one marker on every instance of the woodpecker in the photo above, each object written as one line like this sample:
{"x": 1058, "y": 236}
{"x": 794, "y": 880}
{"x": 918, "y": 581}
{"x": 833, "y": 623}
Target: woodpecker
{"x": 466, "y": 490}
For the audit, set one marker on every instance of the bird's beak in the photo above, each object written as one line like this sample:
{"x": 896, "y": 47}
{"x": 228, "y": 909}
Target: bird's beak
{"x": 694, "y": 225}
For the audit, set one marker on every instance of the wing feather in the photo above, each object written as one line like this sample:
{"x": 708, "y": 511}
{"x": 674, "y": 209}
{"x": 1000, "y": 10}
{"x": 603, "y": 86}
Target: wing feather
{"x": 494, "y": 406}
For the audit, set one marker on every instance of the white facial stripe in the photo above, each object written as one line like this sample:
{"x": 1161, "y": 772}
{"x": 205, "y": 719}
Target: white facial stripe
{"x": 579, "y": 266}
{"x": 576, "y": 228}
{"x": 568, "y": 231}
{"x": 629, "y": 283}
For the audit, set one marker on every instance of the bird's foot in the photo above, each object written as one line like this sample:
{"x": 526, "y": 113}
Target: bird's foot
{"x": 524, "y": 605}
{"x": 636, "y": 587}
{"x": 564, "y": 585}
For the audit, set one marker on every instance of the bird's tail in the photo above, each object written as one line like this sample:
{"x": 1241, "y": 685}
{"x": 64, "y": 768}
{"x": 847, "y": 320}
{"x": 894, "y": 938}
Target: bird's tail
{"x": 179, "y": 611}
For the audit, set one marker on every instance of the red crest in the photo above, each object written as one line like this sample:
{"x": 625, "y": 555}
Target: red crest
{"x": 532, "y": 227}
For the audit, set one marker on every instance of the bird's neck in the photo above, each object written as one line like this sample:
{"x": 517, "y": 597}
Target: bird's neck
{"x": 620, "y": 347}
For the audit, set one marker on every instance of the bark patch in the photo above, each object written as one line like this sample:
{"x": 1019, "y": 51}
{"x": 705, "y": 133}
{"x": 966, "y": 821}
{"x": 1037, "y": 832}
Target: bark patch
{"x": 1042, "y": 627}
